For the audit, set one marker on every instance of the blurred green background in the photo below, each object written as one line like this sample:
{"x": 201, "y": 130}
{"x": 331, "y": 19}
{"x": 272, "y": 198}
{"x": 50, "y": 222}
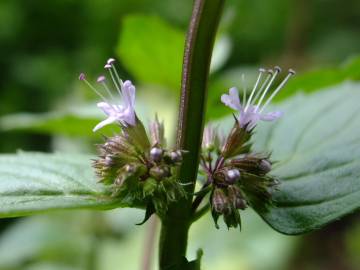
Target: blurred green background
{"x": 44, "y": 45}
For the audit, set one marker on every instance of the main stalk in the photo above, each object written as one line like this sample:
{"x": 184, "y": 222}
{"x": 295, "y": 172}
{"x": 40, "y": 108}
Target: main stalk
{"x": 196, "y": 64}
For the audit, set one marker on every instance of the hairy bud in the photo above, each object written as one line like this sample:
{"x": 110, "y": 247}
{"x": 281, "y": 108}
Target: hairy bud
{"x": 211, "y": 140}
{"x": 232, "y": 176}
{"x": 156, "y": 154}
{"x": 265, "y": 166}
{"x": 237, "y": 142}
{"x": 219, "y": 201}
{"x": 257, "y": 165}
{"x": 157, "y": 132}
{"x": 160, "y": 172}
{"x": 236, "y": 197}
{"x": 176, "y": 156}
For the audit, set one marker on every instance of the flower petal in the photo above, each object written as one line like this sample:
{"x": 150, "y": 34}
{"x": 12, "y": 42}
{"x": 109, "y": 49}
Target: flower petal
{"x": 232, "y": 100}
{"x": 106, "y": 108}
{"x": 271, "y": 116}
{"x": 129, "y": 94}
{"x": 128, "y": 115}
{"x": 105, "y": 122}
{"x": 248, "y": 118}
{"x": 234, "y": 94}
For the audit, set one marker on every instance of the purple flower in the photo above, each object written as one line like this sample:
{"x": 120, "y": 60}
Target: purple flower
{"x": 252, "y": 111}
{"x": 123, "y": 111}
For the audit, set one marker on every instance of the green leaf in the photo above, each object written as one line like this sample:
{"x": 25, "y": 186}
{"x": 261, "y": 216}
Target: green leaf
{"x": 317, "y": 146}
{"x": 151, "y": 50}
{"x": 57, "y": 123}
{"x": 36, "y": 182}
{"x": 56, "y": 237}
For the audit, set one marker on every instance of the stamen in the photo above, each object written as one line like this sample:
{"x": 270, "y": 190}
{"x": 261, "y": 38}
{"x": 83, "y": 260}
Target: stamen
{"x": 281, "y": 85}
{"x": 117, "y": 76}
{"x": 277, "y": 71}
{"x": 82, "y": 77}
{"x": 109, "y": 67}
{"x": 270, "y": 73}
{"x": 101, "y": 80}
{"x": 261, "y": 71}
{"x": 244, "y": 87}
{"x": 110, "y": 61}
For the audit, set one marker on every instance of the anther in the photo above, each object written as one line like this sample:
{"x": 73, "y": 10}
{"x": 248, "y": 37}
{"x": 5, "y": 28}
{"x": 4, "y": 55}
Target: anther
{"x": 107, "y": 66}
{"x": 101, "y": 79}
{"x": 110, "y": 61}
{"x": 82, "y": 77}
{"x": 291, "y": 71}
{"x": 262, "y": 70}
{"x": 277, "y": 69}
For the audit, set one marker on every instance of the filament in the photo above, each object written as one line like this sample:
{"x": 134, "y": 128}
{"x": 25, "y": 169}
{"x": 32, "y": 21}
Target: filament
{"x": 277, "y": 71}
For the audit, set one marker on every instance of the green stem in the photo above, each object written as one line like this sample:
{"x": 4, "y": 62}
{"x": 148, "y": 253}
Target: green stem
{"x": 197, "y": 57}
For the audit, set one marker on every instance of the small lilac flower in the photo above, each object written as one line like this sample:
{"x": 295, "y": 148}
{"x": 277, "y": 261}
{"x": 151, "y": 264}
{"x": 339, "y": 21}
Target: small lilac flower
{"x": 252, "y": 111}
{"x": 123, "y": 113}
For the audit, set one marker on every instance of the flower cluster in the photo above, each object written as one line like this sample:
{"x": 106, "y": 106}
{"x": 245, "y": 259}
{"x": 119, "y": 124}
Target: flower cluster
{"x": 141, "y": 171}
{"x": 139, "y": 168}
{"x": 235, "y": 176}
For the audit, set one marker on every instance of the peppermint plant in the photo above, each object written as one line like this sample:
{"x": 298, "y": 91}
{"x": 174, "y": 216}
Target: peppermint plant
{"x": 299, "y": 172}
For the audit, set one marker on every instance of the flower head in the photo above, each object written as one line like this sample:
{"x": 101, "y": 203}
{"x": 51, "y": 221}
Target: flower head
{"x": 237, "y": 177}
{"x": 137, "y": 172}
{"x": 252, "y": 110}
{"x": 121, "y": 111}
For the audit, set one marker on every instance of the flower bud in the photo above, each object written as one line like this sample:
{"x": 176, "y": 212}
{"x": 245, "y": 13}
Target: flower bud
{"x": 253, "y": 164}
{"x": 129, "y": 168}
{"x": 176, "y": 156}
{"x": 156, "y": 154}
{"x": 157, "y": 132}
{"x": 108, "y": 161}
{"x": 149, "y": 186}
{"x": 237, "y": 142}
{"x": 119, "y": 181}
{"x": 136, "y": 135}
{"x": 265, "y": 166}
{"x": 236, "y": 197}
{"x": 232, "y": 176}
{"x": 211, "y": 139}
{"x": 220, "y": 202}
{"x": 160, "y": 172}
{"x": 232, "y": 219}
